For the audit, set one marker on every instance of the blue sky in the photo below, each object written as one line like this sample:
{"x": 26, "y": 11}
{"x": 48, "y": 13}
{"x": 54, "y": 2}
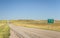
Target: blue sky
{"x": 29, "y": 9}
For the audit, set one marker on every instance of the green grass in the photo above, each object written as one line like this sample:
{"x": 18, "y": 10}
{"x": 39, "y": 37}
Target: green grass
{"x": 4, "y": 30}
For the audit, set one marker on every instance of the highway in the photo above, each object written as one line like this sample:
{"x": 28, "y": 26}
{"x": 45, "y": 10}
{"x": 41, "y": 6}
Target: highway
{"x": 23, "y": 32}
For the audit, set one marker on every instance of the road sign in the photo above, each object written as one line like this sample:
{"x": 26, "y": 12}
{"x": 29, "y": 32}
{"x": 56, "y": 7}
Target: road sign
{"x": 50, "y": 21}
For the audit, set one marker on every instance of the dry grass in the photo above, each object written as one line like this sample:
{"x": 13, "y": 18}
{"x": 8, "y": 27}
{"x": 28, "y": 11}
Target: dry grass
{"x": 4, "y": 29}
{"x": 38, "y": 24}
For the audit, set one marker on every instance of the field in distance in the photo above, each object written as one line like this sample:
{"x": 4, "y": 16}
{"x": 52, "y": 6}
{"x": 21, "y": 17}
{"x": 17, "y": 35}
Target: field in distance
{"x": 39, "y": 24}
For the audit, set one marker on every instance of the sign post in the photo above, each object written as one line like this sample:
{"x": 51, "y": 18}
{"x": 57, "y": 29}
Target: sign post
{"x": 50, "y": 21}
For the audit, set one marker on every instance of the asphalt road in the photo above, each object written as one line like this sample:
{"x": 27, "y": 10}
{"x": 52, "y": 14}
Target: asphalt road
{"x": 24, "y": 32}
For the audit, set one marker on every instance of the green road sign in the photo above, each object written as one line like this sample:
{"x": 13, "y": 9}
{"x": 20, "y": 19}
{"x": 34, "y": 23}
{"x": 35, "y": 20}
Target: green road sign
{"x": 50, "y": 21}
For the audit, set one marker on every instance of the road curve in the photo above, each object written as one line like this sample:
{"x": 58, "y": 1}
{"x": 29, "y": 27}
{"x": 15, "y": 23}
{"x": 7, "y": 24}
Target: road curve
{"x": 34, "y": 33}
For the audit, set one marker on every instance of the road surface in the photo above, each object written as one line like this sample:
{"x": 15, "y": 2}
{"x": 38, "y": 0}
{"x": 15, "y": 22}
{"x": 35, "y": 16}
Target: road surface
{"x": 24, "y": 32}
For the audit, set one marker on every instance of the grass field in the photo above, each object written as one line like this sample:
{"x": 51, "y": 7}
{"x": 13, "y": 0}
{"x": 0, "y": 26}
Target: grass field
{"x": 40, "y": 24}
{"x": 4, "y": 29}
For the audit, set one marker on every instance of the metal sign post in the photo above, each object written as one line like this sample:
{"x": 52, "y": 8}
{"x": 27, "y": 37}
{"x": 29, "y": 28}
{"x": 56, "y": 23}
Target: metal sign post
{"x": 50, "y": 21}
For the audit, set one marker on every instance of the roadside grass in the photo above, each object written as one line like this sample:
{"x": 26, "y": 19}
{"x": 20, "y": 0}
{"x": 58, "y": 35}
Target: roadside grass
{"x": 37, "y": 24}
{"x": 4, "y": 30}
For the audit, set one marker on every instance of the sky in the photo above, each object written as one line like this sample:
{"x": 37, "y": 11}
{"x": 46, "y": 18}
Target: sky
{"x": 29, "y": 9}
